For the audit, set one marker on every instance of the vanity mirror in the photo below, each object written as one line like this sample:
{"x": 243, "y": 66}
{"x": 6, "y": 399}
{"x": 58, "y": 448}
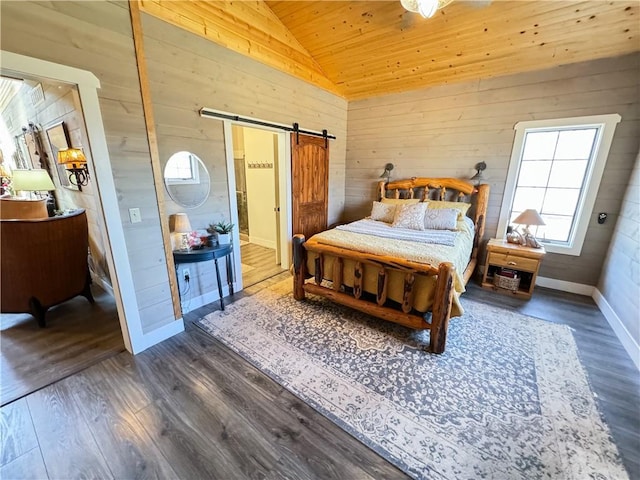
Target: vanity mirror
{"x": 187, "y": 180}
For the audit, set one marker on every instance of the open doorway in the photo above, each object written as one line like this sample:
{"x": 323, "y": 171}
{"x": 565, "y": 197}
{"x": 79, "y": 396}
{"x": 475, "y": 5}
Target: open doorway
{"x": 40, "y": 117}
{"x": 257, "y": 193}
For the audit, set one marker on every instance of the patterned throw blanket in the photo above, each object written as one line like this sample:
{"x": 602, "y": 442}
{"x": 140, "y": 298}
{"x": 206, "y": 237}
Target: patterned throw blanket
{"x": 382, "y": 229}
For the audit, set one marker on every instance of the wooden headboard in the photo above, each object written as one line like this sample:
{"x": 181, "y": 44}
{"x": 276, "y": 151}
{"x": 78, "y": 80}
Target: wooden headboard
{"x": 450, "y": 189}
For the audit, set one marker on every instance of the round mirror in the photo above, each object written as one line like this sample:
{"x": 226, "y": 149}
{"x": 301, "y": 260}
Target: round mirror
{"x": 187, "y": 180}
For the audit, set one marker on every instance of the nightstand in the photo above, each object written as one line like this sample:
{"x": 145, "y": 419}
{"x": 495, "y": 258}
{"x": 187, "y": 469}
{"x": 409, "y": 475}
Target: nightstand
{"x": 511, "y": 268}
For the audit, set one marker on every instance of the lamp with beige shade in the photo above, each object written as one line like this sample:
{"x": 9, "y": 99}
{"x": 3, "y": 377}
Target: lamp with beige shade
{"x": 36, "y": 180}
{"x": 529, "y": 217}
{"x": 180, "y": 223}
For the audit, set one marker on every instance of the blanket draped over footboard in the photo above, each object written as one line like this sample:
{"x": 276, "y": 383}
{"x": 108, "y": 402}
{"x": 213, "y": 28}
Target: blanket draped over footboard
{"x": 428, "y": 254}
{"x": 413, "y": 283}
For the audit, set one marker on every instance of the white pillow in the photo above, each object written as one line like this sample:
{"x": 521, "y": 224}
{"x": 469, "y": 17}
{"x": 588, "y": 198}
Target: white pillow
{"x": 410, "y": 216}
{"x": 383, "y": 212}
{"x": 441, "y": 219}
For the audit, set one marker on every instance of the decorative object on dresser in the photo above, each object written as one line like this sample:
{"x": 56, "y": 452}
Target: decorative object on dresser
{"x": 529, "y": 217}
{"x": 75, "y": 163}
{"x": 5, "y": 179}
{"x": 512, "y": 268}
{"x": 405, "y": 282}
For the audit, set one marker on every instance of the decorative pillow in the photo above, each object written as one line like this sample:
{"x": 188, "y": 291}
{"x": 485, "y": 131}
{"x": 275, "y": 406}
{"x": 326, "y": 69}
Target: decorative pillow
{"x": 383, "y": 212}
{"x": 401, "y": 201}
{"x": 410, "y": 216}
{"x": 441, "y": 219}
{"x": 461, "y": 206}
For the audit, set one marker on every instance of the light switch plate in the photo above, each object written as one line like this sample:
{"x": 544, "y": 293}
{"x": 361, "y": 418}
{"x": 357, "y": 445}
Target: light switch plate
{"x": 134, "y": 215}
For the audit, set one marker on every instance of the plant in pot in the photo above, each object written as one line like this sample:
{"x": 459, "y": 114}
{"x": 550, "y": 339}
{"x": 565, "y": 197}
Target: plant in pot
{"x": 223, "y": 230}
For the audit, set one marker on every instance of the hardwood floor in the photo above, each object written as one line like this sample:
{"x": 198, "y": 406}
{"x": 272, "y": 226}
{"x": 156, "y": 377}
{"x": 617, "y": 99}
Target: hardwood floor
{"x": 77, "y": 335}
{"x": 191, "y": 408}
{"x": 261, "y": 262}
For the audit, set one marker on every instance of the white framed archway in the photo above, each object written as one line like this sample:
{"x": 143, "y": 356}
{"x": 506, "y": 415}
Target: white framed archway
{"x": 135, "y": 339}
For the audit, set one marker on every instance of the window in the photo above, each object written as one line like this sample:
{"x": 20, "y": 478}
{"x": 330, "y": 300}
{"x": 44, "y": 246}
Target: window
{"x": 555, "y": 168}
{"x": 182, "y": 168}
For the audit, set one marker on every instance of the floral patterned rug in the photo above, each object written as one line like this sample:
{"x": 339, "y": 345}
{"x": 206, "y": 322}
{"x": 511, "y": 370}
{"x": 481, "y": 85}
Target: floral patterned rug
{"x": 508, "y": 399}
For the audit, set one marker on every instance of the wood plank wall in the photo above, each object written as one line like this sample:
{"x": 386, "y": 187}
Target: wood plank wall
{"x": 186, "y": 73}
{"x": 620, "y": 280}
{"x": 97, "y": 36}
{"x": 446, "y": 130}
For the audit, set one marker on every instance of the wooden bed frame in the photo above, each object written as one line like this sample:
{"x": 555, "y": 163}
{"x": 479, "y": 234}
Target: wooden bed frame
{"x": 438, "y": 319}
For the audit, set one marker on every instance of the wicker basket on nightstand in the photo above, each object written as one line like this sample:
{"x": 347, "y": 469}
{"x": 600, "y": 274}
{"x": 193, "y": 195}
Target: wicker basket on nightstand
{"x": 507, "y": 283}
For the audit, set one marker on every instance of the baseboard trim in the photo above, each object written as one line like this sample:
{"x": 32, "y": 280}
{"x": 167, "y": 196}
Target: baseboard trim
{"x": 263, "y": 242}
{"x": 206, "y": 298}
{"x": 159, "y": 334}
{"x": 628, "y": 342}
{"x": 570, "y": 287}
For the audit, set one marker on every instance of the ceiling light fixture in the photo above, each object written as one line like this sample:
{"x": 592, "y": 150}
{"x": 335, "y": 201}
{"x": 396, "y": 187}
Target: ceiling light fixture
{"x": 426, "y": 8}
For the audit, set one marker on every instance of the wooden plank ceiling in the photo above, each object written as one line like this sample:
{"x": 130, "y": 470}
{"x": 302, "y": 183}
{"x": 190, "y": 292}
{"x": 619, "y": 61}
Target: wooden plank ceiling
{"x": 360, "y": 49}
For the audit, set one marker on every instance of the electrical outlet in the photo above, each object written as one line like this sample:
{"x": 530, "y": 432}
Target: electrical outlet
{"x": 134, "y": 215}
{"x": 186, "y": 274}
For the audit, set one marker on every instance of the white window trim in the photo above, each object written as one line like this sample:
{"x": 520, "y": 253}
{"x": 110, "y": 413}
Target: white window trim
{"x": 195, "y": 172}
{"x": 607, "y": 124}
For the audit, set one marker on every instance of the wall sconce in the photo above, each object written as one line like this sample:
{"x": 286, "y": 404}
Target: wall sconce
{"x": 479, "y": 176}
{"x": 76, "y": 164}
{"x": 387, "y": 171}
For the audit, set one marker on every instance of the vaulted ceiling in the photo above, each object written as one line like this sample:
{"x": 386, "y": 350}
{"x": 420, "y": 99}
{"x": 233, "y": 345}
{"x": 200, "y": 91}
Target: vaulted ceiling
{"x": 360, "y": 49}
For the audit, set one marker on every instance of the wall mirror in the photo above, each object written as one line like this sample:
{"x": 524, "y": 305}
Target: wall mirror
{"x": 187, "y": 180}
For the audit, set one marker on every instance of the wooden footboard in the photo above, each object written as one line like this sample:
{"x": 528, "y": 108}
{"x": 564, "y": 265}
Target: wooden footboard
{"x": 436, "y": 321}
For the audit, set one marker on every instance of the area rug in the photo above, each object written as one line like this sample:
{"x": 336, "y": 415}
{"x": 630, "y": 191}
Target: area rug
{"x": 509, "y": 399}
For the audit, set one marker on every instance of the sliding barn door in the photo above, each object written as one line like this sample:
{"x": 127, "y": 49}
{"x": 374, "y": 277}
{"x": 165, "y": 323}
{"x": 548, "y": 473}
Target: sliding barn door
{"x": 310, "y": 172}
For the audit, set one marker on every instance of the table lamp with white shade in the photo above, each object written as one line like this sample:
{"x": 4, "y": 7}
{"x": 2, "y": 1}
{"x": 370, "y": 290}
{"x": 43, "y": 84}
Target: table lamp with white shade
{"x": 36, "y": 180}
{"x": 529, "y": 217}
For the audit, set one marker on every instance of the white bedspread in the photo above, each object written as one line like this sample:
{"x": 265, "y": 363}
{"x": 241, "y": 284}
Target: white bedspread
{"x": 385, "y": 230}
